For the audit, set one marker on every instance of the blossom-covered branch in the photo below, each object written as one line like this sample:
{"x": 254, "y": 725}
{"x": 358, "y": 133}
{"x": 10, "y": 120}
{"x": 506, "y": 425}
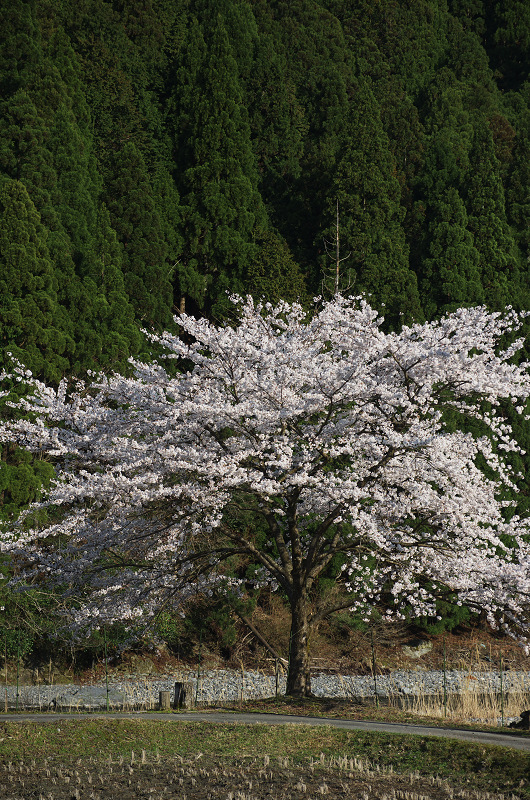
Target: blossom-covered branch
{"x": 328, "y": 433}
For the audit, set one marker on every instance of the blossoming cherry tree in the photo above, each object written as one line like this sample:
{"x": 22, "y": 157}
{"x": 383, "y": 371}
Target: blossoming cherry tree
{"x": 310, "y": 445}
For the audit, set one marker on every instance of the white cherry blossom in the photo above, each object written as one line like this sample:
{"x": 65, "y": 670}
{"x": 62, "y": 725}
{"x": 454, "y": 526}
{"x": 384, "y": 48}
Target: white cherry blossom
{"x": 320, "y": 430}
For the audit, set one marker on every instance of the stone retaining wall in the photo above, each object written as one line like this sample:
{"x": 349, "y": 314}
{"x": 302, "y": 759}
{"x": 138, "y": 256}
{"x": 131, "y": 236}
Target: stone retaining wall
{"x": 217, "y": 686}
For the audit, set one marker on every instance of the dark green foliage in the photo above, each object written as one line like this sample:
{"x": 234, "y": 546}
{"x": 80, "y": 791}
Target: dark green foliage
{"x": 492, "y": 236}
{"x": 371, "y": 215}
{"x": 135, "y": 218}
{"x": 273, "y": 274}
{"x": 26, "y": 621}
{"x": 208, "y": 623}
{"x": 215, "y": 166}
{"x": 214, "y": 132}
{"x": 46, "y": 143}
{"x": 19, "y": 51}
{"x": 451, "y": 616}
{"x": 31, "y": 329}
{"x": 450, "y": 274}
{"x": 518, "y": 197}
{"x": 107, "y": 642}
{"x": 277, "y": 122}
{"x": 508, "y": 40}
{"x": 111, "y": 334}
{"x": 107, "y": 59}
{"x": 21, "y": 479}
{"x": 30, "y": 318}
{"x": 170, "y": 628}
{"x": 345, "y": 620}
{"x": 447, "y": 260}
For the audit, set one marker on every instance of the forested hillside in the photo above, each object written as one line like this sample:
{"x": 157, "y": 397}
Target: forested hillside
{"x": 156, "y": 153}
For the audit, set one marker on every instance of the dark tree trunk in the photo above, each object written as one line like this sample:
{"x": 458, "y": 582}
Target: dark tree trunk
{"x": 298, "y": 675}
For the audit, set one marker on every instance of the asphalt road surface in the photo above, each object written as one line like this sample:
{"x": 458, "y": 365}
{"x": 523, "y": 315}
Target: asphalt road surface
{"x": 504, "y": 739}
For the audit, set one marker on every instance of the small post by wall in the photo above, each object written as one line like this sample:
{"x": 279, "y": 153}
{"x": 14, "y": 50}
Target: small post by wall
{"x": 184, "y": 696}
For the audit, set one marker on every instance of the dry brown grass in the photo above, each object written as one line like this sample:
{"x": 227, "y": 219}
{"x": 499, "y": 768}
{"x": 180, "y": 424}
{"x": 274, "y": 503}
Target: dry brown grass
{"x": 206, "y": 778}
{"x": 474, "y": 703}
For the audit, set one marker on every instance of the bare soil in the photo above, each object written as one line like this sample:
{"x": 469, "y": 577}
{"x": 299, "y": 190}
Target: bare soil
{"x": 207, "y": 778}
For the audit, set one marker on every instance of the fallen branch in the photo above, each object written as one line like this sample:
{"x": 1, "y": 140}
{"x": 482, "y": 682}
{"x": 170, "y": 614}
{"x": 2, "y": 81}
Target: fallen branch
{"x": 259, "y": 637}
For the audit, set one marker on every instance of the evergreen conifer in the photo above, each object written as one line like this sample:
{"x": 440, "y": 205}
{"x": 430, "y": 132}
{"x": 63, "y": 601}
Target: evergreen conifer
{"x": 135, "y": 218}
{"x": 30, "y": 318}
{"x": 216, "y": 169}
{"x": 492, "y": 236}
{"x": 371, "y": 215}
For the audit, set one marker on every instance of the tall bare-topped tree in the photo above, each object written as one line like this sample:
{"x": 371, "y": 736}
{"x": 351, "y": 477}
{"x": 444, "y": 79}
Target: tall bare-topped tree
{"x": 334, "y": 280}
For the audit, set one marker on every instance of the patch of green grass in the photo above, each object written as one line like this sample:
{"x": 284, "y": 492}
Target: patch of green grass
{"x": 480, "y": 767}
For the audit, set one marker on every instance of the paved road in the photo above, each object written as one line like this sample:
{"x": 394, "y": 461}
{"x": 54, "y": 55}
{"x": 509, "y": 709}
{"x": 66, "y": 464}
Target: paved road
{"x": 505, "y": 739}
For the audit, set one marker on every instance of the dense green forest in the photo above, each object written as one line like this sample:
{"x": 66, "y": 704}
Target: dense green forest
{"x": 157, "y": 154}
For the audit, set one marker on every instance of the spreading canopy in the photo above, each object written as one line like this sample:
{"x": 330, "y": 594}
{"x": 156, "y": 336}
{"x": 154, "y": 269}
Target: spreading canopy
{"x": 297, "y": 442}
